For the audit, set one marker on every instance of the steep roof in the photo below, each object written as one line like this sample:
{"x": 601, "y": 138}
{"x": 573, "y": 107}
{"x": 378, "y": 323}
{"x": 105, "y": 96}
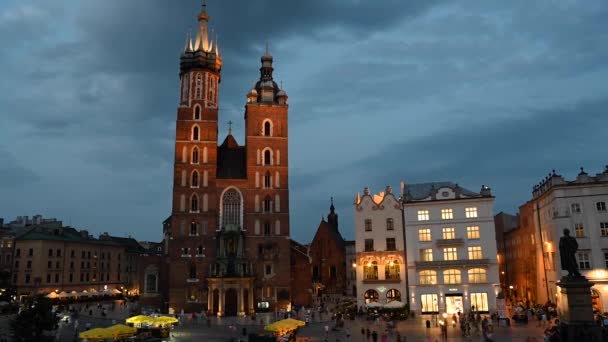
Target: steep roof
{"x": 423, "y": 190}
{"x": 333, "y": 231}
{"x": 231, "y": 160}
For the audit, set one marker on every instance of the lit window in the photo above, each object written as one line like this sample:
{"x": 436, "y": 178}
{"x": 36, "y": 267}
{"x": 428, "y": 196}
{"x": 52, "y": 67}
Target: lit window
{"x": 368, "y": 225}
{"x": 475, "y": 252}
{"x": 429, "y": 302}
{"x": 584, "y": 260}
{"x": 579, "y": 230}
{"x": 369, "y": 245}
{"x": 449, "y": 233}
{"x": 447, "y": 214}
{"x": 428, "y": 277}
{"x": 471, "y": 212}
{"x": 426, "y": 254}
{"x": 452, "y": 277}
{"x": 479, "y": 302}
{"x": 424, "y": 234}
{"x": 600, "y": 206}
{"x": 606, "y": 259}
{"x": 389, "y": 224}
{"x": 450, "y": 253}
{"x": 473, "y": 232}
{"x": 391, "y": 270}
{"x": 604, "y": 228}
{"x": 576, "y": 208}
{"x": 477, "y": 275}
{"x": 423, "y": 215}
{"x": 370, "y": 271}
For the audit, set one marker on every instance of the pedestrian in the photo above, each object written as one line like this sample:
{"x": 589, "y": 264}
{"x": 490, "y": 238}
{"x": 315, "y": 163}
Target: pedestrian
{"x": 374, "y": 336}
{"x": 383, "y": 338}
{"x": 367, "y": 333}
{"x": 347, "y": 331}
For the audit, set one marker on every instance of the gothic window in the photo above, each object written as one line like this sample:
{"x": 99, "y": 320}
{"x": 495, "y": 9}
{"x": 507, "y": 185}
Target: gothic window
{"x": 267, "y": 180}
{"x": 151, "y": 283}
{"x": 267, "y": 228}
{"x": 195, "y": 155}
{"x": 199, "y": 86}
{"x": 267, "y": 205}
{"x": 194, "y": 182}
{"x": 197, "y": 112}
{"x": 267, "y": 128}
{"x": 231, "y": 208}
{"x": 193, "y": 229}
{"x": 195, "y": 133}
{"x": 267, "y": 157}
{"x": 194, "y": 203}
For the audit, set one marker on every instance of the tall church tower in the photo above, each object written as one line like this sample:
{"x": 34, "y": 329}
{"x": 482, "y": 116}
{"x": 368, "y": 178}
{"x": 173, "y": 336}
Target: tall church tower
{"x": 228, "y": 238}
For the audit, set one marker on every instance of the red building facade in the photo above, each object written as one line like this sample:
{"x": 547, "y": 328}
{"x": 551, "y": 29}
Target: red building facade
{"x": 228, "y": 241}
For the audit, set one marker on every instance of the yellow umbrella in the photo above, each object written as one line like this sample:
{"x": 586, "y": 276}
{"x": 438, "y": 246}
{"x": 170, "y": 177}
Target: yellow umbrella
{"x": 52, "y": 295}
{"x": 140, "y": 319}
{"x": 284, "y": 325}
{"x": 97, "y": 333}
{"x": 164, "y": 320}
{"x": 121, "y": 330}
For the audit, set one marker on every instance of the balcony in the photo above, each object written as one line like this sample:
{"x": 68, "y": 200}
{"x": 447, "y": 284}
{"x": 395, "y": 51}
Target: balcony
{"x": 452, "y": 263}
{"x": 200, "y": 255}
{"x": 449, "y": 242}
{"x": 186, "y": 255}
{"x": 192, "y": 280}
{"x": 382, "y": 281}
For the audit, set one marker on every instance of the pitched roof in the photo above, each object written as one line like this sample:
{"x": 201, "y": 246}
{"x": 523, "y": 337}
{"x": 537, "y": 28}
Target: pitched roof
{"x": 333, "y": 231}
{"x": 423, "y": 190}
{"x": 231, "y": 160}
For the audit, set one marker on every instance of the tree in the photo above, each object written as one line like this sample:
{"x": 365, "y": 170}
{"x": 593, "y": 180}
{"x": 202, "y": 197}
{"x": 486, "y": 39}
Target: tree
{"x": 30, "y": 324}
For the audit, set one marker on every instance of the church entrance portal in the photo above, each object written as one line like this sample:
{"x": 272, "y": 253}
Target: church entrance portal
{"x": 231, "y": 302}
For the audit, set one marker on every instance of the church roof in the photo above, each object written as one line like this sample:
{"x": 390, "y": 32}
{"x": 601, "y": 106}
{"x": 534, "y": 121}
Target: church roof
{"x": 231, "y": 160}
{"x": 333, "y": 231}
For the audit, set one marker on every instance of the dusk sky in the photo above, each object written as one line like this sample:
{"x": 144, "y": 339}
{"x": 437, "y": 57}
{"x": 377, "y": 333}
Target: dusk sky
{"x": 475, "y": 92}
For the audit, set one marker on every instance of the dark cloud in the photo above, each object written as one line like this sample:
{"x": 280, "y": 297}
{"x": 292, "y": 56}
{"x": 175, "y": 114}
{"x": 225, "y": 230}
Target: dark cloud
{"x": 478, "y": 92}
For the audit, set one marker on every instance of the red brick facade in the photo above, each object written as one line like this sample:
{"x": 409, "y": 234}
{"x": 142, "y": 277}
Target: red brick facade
{"x": 230, "y": 216}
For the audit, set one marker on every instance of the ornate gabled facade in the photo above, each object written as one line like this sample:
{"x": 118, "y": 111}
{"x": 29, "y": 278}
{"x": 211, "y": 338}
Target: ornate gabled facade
{"x": 228, "y": 236}
{"x": 379, "y": 247}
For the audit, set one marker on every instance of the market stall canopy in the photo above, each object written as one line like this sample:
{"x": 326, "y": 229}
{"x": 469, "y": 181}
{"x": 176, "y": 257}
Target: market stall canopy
{"x": 394, "y": 305}
{"x": 284, "y": 325}
{"x": 121, "y": 330}
{"x": 161, "y": 320}
{"x": 374, "y": 305}
{"x": 140, "y": 319}
{"x": 63, "y": 294}
{"x": 96, "y": 334}
{"x": 52, "y": 295}
{"x": 115, "y": 291}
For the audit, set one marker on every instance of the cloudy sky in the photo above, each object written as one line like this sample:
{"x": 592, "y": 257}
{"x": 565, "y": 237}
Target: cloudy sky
{"x": 477, "y": 92}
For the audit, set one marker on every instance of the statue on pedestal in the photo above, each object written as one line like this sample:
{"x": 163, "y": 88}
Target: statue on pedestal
{"x": 567, "y": 251}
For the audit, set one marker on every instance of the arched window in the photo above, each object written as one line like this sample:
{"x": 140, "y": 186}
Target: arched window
{"x": 231, "y": 208}
{"x": 197, "y": 112}
{"x": 193, "y": 229}
{"x": 194, "y": 203}
{"x": 267, "y": 157}
{"x": 393, "y": 295}
{"x": 391, "y": 270}
{"x": 199, "y": 86}
{"x": 267, "y": 205}
{"x": 428, "y": 277}
{"x": 195, "y": 155}
{"x": 195, "y": 133}
{"x": 267, "y": 180}
{"x": 452, "y": 276}
{"x": 371, "y": 296}
{"x": 267, "y": 128}
{"x": 477, "y": 275}
{"x": 194, "y": 180}
{"x": 370, "y": 270}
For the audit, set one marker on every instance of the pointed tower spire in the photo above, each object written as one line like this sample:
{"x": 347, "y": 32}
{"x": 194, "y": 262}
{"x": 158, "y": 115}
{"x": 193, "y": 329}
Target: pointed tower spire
{"x": 202, "y": 38}
{"x": 332, "y": 218}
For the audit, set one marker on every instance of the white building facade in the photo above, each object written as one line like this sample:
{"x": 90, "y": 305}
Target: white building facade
{"x": 351, "y": 268}
{"x": 581, "y": 206}
{"x": 379, "y": 248}
{"x": 451, "y": 248}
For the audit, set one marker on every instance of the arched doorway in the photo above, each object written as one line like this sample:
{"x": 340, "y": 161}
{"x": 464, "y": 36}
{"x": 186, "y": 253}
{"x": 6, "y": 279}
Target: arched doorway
{"x": 216, "y": 301}
{"x": 371, "y": 296}
{"x": 230, "y": 305}
{"x": 393, "y": 295}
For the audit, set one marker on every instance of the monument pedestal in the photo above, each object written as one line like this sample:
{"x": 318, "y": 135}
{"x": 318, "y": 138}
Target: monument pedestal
{"x": 576, "y": 319}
